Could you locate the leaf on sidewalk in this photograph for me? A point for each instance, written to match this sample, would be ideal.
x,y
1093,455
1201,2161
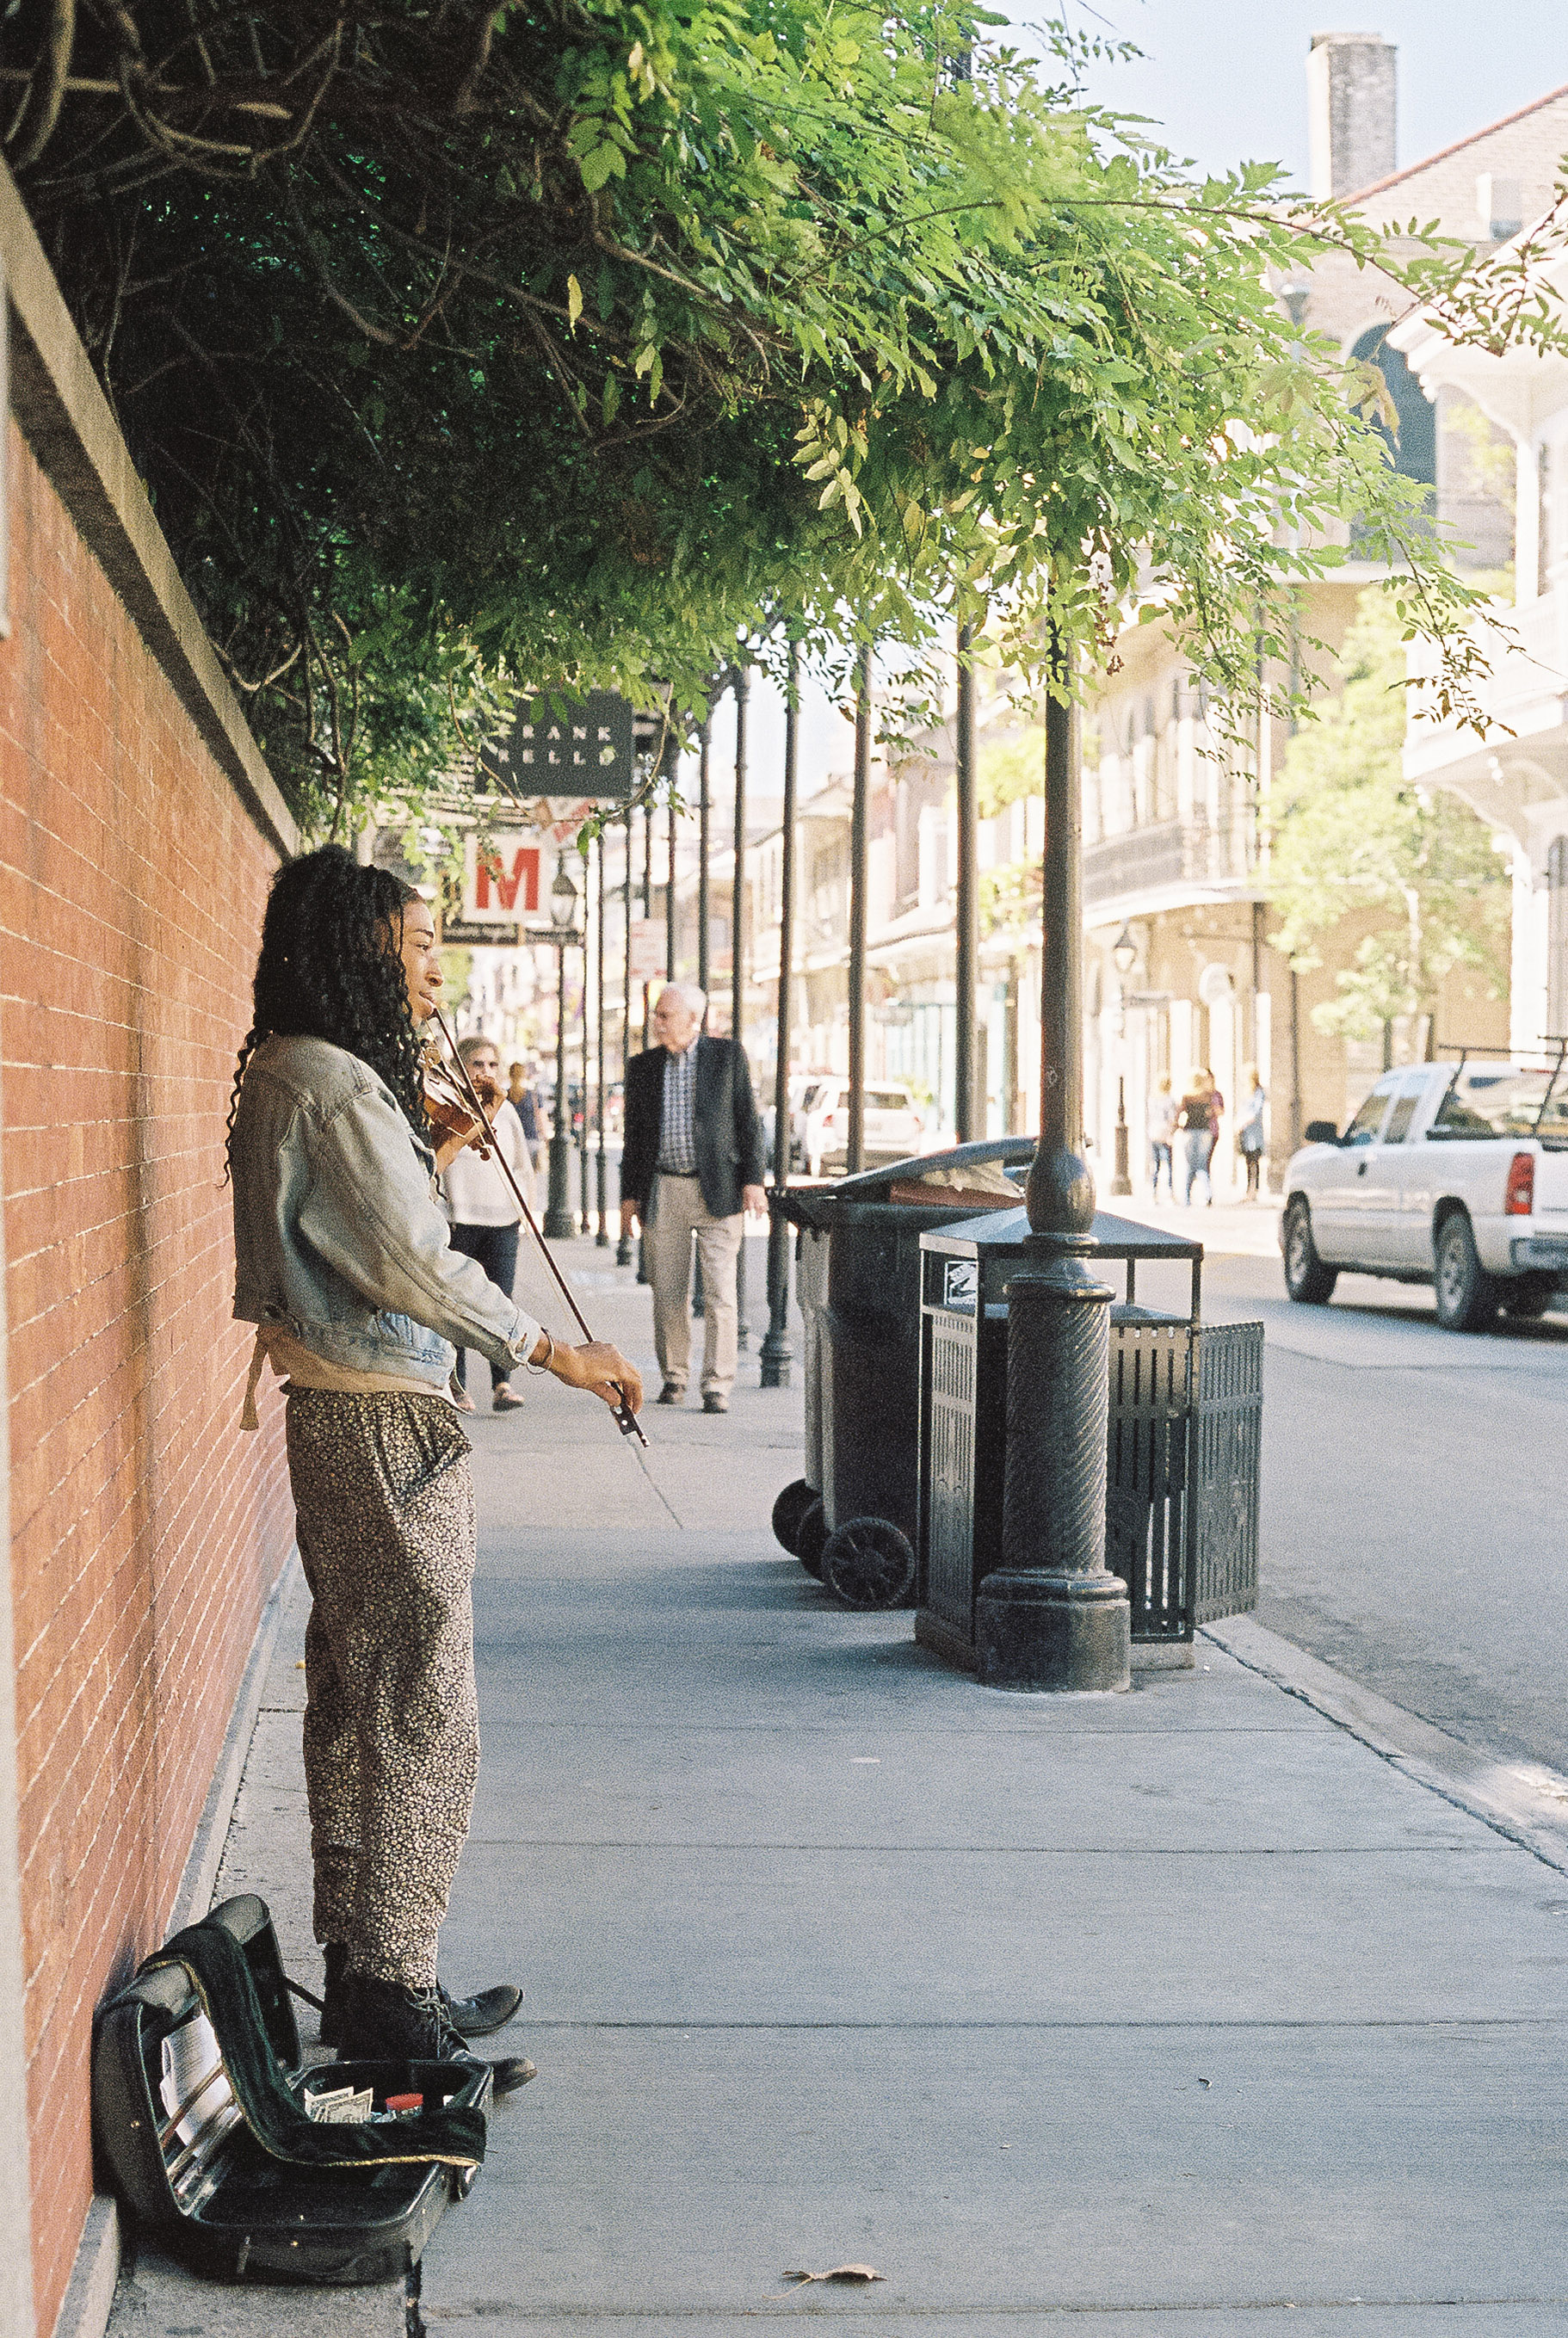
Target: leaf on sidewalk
x,y
838,2273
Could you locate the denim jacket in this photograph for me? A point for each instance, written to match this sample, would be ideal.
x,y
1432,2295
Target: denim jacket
x,y
339,1233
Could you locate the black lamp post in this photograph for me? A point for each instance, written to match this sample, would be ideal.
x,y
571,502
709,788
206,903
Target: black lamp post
x,y
1124,957
1052,1616
737,949
855,1149
583,1211
626,1250
601,1186
558,1225
966,906
703,843
776,1350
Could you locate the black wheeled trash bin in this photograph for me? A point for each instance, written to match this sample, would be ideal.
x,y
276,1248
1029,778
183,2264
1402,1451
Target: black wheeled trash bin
x,y
851,1519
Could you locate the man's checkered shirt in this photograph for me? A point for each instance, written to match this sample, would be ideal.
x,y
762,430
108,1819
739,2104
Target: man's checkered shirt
x,y
678,1122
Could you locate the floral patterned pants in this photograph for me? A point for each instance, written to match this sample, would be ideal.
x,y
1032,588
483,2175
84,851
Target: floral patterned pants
x,y
385,1508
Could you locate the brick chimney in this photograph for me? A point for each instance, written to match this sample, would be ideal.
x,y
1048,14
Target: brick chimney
x,y
1350,101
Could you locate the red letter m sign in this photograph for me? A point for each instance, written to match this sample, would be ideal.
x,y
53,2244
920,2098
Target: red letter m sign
x,y
518,894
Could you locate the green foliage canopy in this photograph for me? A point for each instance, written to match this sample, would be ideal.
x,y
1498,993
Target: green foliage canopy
x,y
464,347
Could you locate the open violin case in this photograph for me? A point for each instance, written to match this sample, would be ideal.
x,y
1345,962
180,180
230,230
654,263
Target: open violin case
x,y
200,2103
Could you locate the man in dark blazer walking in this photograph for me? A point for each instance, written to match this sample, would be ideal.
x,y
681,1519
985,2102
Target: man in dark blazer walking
x,y
691,1164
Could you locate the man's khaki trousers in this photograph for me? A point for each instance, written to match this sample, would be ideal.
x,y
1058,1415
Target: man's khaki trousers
x,y
679,1211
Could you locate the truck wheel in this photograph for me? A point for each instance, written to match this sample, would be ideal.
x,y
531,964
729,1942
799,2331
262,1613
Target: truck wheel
x,y
789,1508
809,1538
1467,1294
867,1563
1307,1279
1528,1298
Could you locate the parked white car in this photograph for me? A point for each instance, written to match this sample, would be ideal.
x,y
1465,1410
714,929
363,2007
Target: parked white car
x,y
803,1087
894,1127
1455,1174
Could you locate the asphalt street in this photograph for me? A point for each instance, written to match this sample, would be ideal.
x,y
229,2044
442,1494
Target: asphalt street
x,y
1412,1495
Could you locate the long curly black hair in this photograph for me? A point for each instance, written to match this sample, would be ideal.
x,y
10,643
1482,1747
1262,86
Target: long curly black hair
x,y
330,969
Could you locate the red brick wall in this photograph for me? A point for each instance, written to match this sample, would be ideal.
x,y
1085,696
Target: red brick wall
x,y
145,1530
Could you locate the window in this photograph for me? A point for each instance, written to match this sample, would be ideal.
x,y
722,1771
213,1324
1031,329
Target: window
x,y
888,1100
1400,1118
1363,1128
1415,447
1502,1100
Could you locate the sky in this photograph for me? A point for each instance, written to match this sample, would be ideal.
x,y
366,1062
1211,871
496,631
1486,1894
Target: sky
x,y
1227,82
1227,79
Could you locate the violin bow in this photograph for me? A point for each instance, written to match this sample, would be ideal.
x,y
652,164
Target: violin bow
x,y
625,1418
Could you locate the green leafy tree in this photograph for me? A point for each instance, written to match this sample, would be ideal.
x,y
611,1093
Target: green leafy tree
x,y
462,345
1351,838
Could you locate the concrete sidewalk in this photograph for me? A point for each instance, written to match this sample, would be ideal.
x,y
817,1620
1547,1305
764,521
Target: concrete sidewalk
x,y
1182,2012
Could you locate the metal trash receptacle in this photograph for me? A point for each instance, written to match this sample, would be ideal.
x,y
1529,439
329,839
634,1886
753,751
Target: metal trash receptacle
x,y
1182,1456
851,1519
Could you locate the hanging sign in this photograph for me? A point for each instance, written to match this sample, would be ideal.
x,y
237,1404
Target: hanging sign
x,y
587,750
459,933
509,883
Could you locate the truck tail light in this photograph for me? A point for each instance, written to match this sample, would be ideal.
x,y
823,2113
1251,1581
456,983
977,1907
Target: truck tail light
x,y
827,1120
1519,1193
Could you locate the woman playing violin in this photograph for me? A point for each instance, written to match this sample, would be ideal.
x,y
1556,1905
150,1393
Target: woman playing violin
x,y
344,1264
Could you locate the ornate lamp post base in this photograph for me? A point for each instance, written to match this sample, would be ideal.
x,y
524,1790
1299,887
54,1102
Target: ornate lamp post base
x,y
1053,1632
1053,1616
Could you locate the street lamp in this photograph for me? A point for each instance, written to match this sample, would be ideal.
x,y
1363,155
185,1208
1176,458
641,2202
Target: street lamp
x,y
1052,1617
1124,957
558,1225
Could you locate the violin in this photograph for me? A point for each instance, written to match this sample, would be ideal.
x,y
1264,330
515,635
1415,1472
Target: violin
x,y
449,1112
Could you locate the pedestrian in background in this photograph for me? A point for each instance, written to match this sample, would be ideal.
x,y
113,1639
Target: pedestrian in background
x,y
1249,1129
1161,1122
1199,1124
523,1098
484,1209
691,1164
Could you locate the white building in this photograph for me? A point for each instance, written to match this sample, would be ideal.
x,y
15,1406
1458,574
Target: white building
x,y
1516,775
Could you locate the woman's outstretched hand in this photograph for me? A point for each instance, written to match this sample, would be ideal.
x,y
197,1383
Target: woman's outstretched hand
x,y
601,1369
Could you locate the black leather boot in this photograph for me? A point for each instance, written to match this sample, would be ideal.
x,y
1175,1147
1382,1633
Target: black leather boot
x,y
478,2016
382,2021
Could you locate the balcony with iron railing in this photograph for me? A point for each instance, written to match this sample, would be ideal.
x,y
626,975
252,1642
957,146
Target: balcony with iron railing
x,y
1168,856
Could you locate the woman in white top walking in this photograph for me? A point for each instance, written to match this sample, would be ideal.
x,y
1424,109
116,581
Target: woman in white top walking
x,y
484,1214
1161,1122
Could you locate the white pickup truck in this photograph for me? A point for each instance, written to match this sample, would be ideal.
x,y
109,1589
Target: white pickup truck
x,y
1455,1174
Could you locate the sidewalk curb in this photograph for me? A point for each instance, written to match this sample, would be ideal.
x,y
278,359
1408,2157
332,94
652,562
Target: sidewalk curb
x,y
1523,1801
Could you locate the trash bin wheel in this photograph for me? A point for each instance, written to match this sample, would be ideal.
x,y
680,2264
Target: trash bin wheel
x,y
789,1508
868,1563
810,1536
